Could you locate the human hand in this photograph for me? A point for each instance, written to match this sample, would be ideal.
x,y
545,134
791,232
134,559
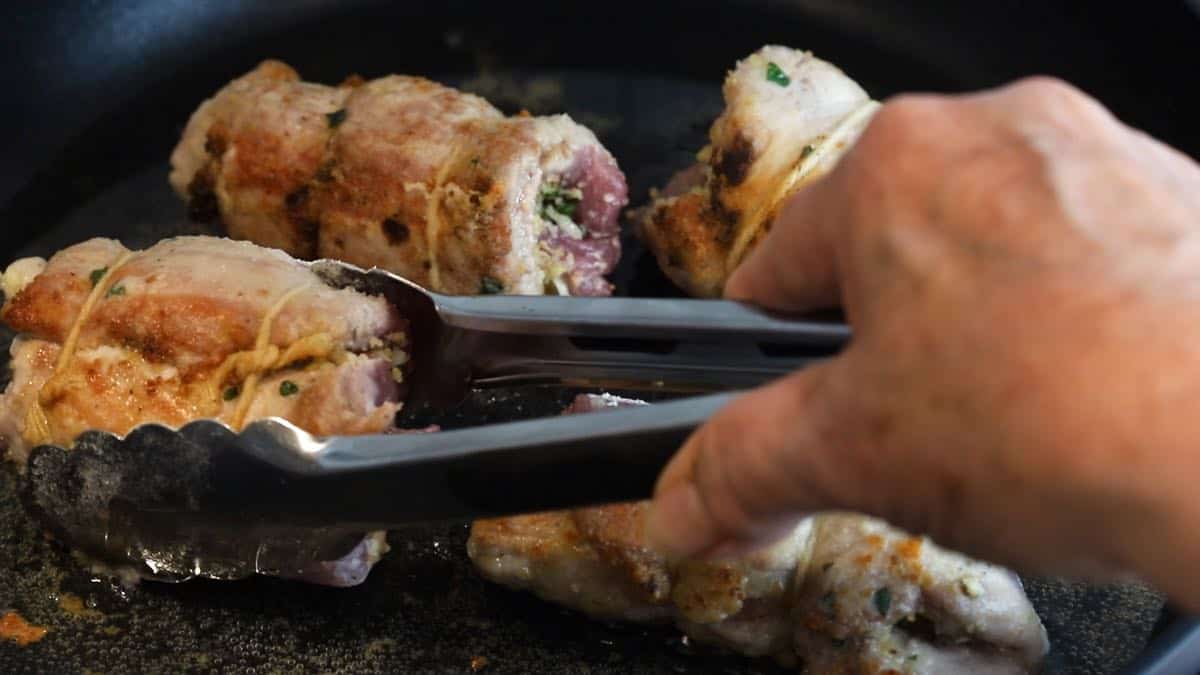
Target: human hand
x,y
1022,274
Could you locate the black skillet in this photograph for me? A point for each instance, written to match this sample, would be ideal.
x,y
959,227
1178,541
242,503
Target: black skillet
x,y
96,94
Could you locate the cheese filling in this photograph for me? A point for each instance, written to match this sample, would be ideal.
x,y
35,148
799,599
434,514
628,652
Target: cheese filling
x,y
556,208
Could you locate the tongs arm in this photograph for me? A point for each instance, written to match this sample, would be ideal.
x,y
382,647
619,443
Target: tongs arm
x,y
632,343
459,342
637,318
499,469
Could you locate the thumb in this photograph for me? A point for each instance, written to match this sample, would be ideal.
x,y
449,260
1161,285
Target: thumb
x,y
746,476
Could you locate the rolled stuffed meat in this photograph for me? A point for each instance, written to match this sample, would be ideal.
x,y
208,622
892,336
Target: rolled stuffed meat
x,y
191,328
788,118
842,593
405,174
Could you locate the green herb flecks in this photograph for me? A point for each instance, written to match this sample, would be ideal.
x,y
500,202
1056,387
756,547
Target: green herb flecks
x,y
119,289
808,150
230,393
97,275
882,600
288,388
556,202
775,74
336,117
490,286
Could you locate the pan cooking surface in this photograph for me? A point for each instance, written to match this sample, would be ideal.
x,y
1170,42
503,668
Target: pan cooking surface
x,y
423,609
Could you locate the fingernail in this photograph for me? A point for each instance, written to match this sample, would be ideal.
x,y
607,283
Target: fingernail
x,y
677,526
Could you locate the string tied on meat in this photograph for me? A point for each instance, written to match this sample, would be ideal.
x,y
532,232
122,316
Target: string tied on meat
x,y
38,428
262,358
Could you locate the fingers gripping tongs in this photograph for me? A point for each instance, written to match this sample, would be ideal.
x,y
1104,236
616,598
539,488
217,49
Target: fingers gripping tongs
x,y
274,472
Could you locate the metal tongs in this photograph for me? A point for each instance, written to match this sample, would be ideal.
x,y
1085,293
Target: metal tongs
x,y
215,489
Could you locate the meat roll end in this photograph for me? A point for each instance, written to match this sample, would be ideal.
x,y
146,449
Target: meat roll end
x,y
405,174
788,118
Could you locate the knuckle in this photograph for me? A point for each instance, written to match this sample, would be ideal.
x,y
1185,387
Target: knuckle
x,y
901,115
1056,100
1057,113
1047,89
901,131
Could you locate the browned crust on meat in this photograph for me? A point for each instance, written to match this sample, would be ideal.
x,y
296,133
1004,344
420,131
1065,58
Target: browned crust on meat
x,y
398,172
618,534
693,235
202,197
170,318
812,597
162,328
161,338
732,164
395,231
474,234
758,155
27,311
691,243
74,407
538,536
554,543
48,306
373,180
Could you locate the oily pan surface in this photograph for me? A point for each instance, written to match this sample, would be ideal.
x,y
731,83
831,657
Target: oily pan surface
x,y
423,609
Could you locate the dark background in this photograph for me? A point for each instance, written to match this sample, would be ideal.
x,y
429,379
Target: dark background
x,y
134,67
96,94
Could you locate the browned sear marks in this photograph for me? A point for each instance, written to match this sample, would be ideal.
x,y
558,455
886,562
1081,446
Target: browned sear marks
x,y
733,163
395,231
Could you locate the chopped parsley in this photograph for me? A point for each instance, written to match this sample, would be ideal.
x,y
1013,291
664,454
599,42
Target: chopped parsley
x,y
490,286
808,150
119,289
882,600
336,117
97,275
288,388
775,74
555,201
230,393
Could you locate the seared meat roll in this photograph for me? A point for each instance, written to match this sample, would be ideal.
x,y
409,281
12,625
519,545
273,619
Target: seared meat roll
x,y
193,327
788,118
405,174
842,593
